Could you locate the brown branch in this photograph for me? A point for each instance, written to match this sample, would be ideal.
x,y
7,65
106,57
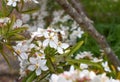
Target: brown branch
x,y
75,11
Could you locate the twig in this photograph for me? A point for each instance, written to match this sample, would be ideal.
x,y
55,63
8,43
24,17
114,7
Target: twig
x,y
75,11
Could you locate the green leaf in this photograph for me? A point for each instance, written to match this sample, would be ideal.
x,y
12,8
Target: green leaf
x,y
17,37
50,51
50,65
4,8
42,76
10,9
18,30
1,14
118,75
75,48
12,22
30,77
15,32
4,30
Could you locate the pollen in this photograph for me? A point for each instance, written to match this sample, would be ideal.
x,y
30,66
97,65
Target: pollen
x,y
37,65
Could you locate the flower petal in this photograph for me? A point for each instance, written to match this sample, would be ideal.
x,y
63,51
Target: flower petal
x,y
53,44
60,50
33,60
38,72
64,45
24,56
45,42
31,67
44,68
46,35
14,4
35,1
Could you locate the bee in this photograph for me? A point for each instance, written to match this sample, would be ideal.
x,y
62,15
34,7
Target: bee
x,y
59,36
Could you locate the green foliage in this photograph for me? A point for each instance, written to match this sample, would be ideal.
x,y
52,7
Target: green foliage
x,y
9,35
30,77
102,11
90,45
112,34
86,61
75,48
5,10
105,14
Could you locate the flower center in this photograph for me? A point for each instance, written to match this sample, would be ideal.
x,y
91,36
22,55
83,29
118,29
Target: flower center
x,y
37,65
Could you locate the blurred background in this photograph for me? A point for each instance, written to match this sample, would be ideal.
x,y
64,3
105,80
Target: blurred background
x,y
106,17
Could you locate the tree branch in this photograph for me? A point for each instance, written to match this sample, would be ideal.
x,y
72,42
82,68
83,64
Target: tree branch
x,y
75,11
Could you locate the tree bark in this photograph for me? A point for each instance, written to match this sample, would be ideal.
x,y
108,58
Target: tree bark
x,y
74,9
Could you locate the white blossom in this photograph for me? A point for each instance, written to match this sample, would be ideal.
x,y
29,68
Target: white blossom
x,y
21,47
106,67
18,23
12,2
118,68
38,33
84,54
112,80
23,58
97,60
4,20
51,39
83,66
81,76
61,46
38,65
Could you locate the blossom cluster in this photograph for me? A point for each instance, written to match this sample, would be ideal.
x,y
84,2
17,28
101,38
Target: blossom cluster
x,y
58,39
31,52
71,32
81,76
90,57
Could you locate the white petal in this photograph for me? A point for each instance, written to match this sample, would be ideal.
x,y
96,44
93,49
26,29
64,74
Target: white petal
x,y
52,34
54,78
60,50
44,68
62,79
41,62
33,60
118,68
9,3
14,4
53,44
83,66
38,72
64,45
45,42
24,56
35,1
72,69
19,23
55,39
92,75
31,67
32,46
46,35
